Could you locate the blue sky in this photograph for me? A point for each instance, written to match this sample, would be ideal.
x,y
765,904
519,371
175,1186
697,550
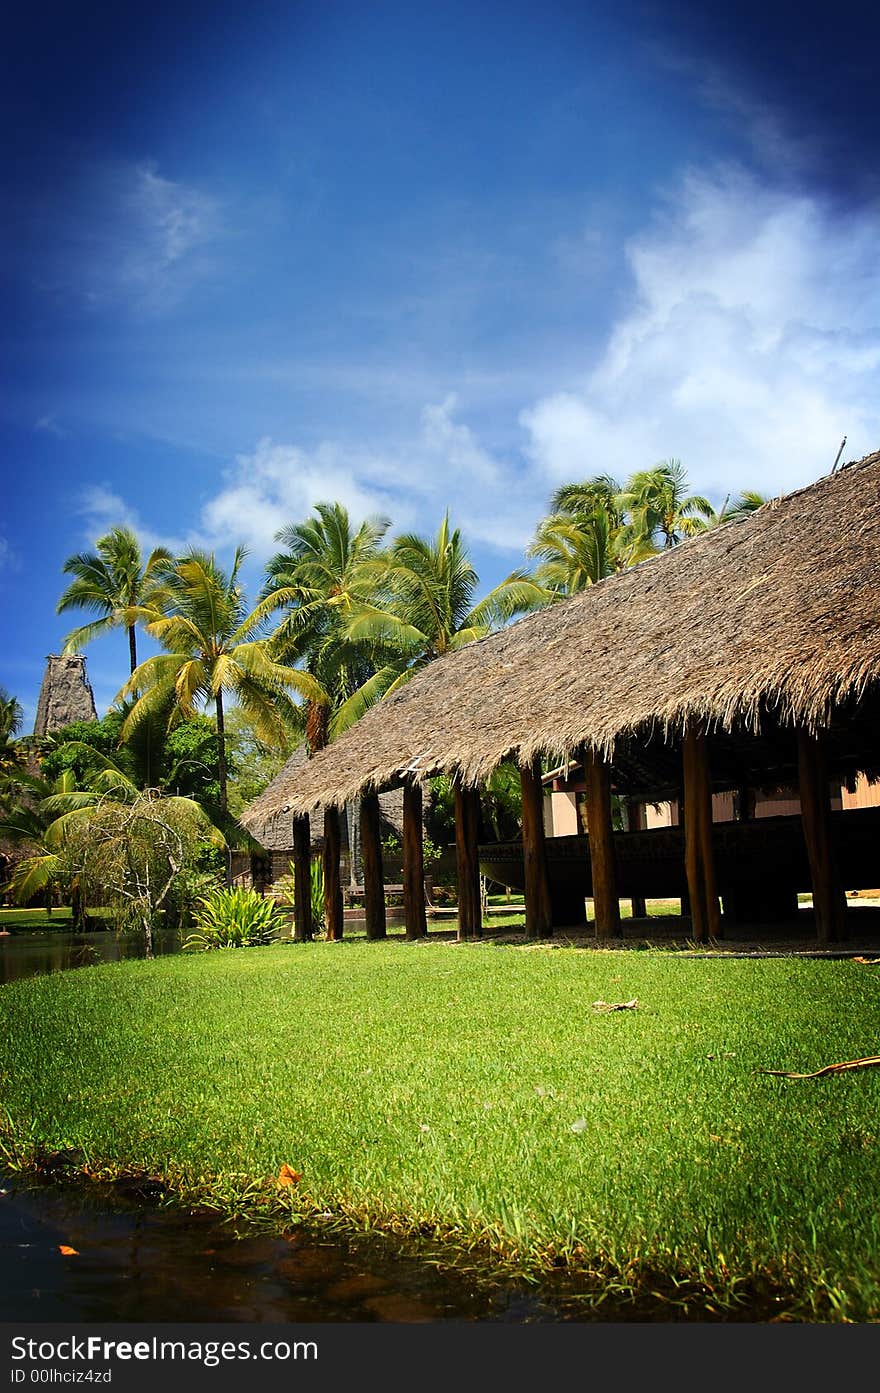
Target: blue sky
x,y
414,257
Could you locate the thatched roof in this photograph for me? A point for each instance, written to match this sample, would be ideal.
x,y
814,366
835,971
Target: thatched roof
x,y
776,615
268,818
65,696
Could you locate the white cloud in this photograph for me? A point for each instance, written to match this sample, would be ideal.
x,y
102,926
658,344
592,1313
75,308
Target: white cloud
x,y
414,482
102,509
751,347
280,483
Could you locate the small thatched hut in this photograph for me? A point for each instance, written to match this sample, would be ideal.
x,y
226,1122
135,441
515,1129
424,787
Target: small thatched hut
x,y
748,655
269,823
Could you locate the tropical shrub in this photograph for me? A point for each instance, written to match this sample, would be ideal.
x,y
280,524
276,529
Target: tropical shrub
x,y
284,889
235,918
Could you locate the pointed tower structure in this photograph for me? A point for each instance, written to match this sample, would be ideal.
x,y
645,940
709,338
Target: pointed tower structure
x,y
66,694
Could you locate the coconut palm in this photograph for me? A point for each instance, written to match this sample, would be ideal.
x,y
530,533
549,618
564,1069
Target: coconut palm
x,y
325,568
11,717
747,502
574,551
430,610
585,537
214,646
113,582
659,507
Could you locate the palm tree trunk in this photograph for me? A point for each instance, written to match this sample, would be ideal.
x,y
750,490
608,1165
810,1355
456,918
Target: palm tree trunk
x,y
221,774
317,726
132,648
221,753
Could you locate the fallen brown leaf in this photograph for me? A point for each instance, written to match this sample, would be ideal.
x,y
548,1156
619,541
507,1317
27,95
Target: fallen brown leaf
x,y
288,1176
616,1005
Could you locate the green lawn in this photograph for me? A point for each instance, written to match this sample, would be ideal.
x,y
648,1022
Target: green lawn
x,y
473,1092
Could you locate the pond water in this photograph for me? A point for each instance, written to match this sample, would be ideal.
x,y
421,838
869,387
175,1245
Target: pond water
x,y
135,1260
30,953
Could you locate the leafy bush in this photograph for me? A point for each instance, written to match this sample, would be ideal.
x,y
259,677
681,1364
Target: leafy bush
x,y
234,919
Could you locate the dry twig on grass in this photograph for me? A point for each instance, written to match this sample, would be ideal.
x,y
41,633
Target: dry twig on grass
x,y
868,1063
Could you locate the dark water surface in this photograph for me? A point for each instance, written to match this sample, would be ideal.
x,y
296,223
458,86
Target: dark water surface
x,y
135,1260
29,953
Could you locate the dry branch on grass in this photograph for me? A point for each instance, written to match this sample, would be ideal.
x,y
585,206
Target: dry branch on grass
x,y
868,1063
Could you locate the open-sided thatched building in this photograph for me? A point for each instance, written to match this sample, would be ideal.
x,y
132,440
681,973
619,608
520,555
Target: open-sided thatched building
x,y
748,655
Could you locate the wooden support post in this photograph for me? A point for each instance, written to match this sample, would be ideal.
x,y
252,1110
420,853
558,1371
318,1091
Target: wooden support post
x,y
829,899
467,835
302,879
634,821
744,803
699,854
606,905
371,857
333,913
539,913
413,863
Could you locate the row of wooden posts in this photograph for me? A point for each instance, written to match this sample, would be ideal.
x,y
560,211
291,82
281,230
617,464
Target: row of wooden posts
x,y
828,897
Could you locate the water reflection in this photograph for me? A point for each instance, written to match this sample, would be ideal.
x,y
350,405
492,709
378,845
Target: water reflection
x,y
31,953
134,1261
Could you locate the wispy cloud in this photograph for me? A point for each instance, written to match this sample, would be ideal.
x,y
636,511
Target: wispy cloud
x,y
165,226
124,235
51,427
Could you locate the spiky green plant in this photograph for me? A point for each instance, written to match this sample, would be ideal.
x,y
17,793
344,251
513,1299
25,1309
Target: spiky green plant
x,y
284,888
234,918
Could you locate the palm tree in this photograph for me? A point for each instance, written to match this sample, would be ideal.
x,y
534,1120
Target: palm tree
x,y
430,609
114,583
585,537
747,502
574,551
325,569
213,646
11,717
660,508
